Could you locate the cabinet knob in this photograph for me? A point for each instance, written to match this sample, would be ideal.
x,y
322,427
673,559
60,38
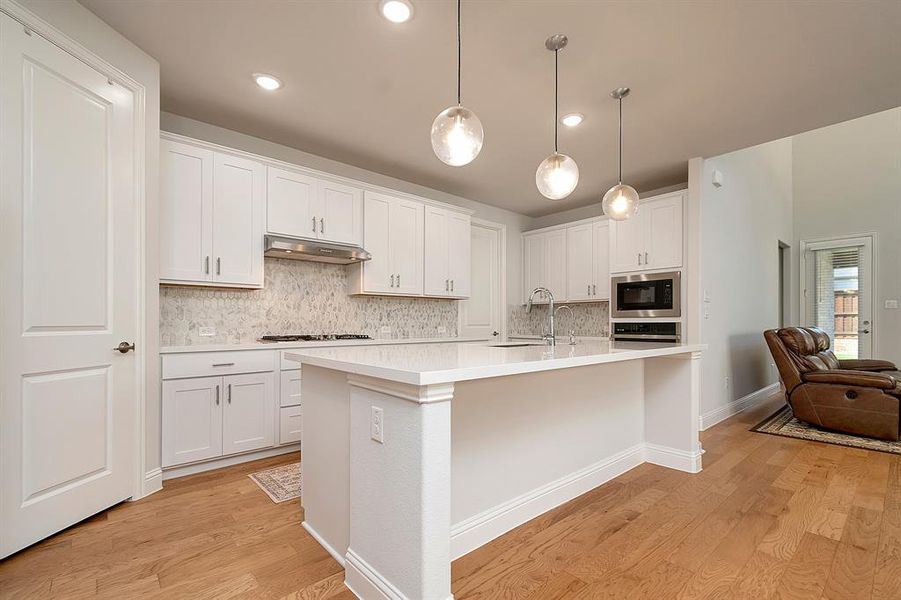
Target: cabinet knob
x,y
392,281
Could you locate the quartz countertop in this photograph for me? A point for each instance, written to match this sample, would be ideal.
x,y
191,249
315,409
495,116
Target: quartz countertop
x,y
426,364
325,344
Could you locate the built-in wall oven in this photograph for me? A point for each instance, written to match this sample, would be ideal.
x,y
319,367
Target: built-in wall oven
x,y
654,331
647,295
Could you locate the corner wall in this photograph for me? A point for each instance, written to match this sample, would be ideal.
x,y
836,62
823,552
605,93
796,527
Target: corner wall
x,y
741,225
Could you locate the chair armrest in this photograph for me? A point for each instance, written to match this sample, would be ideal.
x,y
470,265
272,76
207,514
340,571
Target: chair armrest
x,y
848,377
867,364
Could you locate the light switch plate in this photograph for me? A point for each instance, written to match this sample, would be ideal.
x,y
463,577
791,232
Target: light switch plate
x,y
207,332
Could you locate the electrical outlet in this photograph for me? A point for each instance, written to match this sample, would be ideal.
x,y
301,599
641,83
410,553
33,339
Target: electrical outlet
x,y
891,304
385,330
377,424
207,332
726,383
442,330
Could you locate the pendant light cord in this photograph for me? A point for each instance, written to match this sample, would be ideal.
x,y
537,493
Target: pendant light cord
x,y
459,54
556,79
620,141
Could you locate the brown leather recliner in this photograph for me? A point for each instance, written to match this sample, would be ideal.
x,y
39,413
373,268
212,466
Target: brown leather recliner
x,y
852,396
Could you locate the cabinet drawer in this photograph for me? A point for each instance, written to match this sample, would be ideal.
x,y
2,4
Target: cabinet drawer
x,y
290,424
286,364
205,364
289,388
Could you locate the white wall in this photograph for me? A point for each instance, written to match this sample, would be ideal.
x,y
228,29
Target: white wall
x,y
741,225
82,26
847,180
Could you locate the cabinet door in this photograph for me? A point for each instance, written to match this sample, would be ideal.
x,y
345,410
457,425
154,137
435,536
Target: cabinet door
x,y
340,213
664,232
627,243
290,424
555,263
289,388
192,420
237,221
290,203
436,260
248,421
533,263
459,254
186,210
579,262
405,245
600,289
376,217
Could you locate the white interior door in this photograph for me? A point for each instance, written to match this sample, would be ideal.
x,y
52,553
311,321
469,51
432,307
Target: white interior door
x,y
837,294
68,246
481,314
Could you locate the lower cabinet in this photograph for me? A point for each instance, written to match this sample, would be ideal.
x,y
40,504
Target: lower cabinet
x,y
290,424
209,417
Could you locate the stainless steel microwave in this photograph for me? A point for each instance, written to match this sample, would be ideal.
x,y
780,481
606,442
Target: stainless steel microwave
x,y
647,295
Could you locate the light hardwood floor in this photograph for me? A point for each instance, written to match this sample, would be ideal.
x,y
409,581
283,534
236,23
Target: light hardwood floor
x,y
768,517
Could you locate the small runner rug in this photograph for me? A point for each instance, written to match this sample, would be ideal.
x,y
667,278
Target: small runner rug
x,y
784,423
280,483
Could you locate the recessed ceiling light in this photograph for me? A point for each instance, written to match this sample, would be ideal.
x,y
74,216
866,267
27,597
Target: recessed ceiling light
x,y
396,11
267,82
572,119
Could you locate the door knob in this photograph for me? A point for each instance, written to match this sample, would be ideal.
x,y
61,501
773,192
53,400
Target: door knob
x,y
124,347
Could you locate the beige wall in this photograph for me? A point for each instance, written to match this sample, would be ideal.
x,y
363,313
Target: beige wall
x,y
741,225
847,180
82,26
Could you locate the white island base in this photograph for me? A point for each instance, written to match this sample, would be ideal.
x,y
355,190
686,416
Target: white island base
x,y
475,441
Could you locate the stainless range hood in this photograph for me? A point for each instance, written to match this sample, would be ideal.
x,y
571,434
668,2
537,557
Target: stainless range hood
x,y
329,252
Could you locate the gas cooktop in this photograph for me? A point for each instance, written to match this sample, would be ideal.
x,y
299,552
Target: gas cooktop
x,y
327,337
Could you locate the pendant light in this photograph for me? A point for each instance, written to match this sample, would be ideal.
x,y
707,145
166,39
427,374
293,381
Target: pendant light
x,y
457,132
558,174
621,201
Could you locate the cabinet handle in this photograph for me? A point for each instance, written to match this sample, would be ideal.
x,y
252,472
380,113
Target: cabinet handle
x,y
229,394
217,394
321,224
398,280
589,289
392,281
206,265
314,224
594,287
447,285
231,364
639,258
218,265
452,285
645,258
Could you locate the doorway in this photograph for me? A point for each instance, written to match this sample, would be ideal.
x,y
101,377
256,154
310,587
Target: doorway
x,y
484,314
837,292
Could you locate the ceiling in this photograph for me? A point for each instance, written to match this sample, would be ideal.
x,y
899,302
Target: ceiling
x,y
706,77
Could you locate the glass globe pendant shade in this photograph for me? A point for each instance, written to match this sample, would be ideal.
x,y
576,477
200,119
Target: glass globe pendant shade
x,y
557,176
457,136
620,202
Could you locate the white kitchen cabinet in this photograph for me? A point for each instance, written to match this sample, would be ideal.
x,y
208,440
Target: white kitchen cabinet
x,y
580,271
651,239
447,253
211,217
340,212
291,199
248,421
393,234
289,388
600,289
544,263
290,425
191,420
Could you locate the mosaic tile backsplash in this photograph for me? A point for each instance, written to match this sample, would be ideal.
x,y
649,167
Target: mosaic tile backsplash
x,y
298,297
590,319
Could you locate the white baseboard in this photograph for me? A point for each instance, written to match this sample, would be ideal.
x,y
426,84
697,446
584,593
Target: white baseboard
x,y
480,529
153,482
218,463
328,547
717,415
681,460
367,583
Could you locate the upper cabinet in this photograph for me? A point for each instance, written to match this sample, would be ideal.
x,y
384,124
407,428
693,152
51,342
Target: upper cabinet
x,y
650,240
393,234
211,217
571,260
447,253
299,205
545,263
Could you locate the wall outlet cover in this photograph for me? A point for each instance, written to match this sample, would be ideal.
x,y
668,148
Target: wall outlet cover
x,y
891,304
377,424
206,331
385,329
442,329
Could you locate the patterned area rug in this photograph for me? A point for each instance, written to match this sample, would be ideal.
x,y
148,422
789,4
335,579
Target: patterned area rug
x,y
784,423
280,483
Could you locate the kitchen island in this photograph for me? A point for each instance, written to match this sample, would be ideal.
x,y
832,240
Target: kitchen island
x,y
416,455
